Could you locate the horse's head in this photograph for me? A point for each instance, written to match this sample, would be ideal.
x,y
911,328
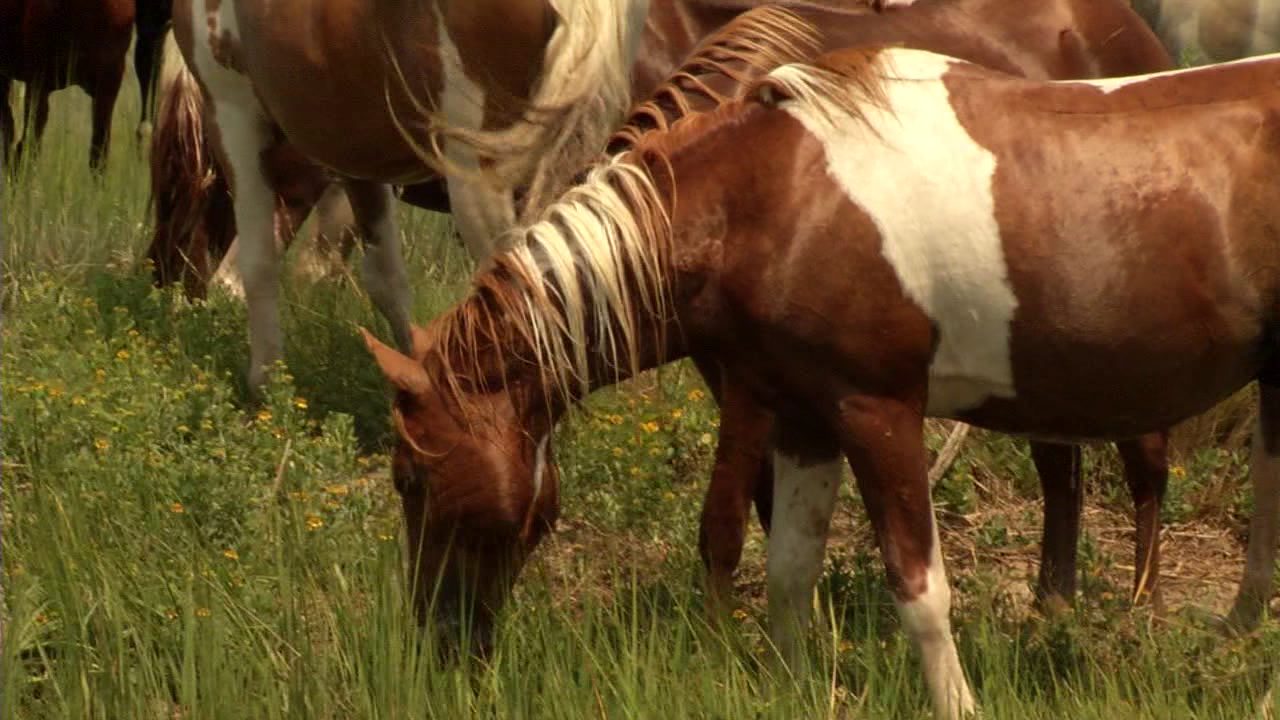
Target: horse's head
x,y
478,488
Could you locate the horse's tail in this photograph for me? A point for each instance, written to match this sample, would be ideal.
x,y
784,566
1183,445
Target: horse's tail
x,y
189,192
583,92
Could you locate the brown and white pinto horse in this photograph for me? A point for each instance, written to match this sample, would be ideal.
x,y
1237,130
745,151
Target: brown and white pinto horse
x,y
51,45
912,236
387,92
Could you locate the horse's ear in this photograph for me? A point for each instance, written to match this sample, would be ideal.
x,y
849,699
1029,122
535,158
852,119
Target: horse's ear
x,y
420,343
400,370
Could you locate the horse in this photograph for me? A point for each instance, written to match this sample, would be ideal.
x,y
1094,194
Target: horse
x,y
49,46
1215,30
1050,40
385,93
912,236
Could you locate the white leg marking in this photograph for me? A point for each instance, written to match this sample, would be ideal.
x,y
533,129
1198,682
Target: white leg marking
x,y
480,210
943,245
803,500
244,131
383,271
1260,557
927,619
227,276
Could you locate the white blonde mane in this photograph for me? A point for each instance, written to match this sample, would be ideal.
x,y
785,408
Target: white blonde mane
x,y
577,286
597,262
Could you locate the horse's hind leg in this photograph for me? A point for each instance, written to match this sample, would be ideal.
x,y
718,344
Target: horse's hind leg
x,y
1146,469
373,206
1059,469
1264,475
105,91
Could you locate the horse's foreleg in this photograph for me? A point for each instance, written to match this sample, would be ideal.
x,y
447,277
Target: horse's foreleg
x,y
1146,469
373,206
105,91
805,487
1264,475
1059,470
245,135
884,440
745,429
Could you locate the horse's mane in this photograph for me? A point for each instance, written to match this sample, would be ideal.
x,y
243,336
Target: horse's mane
x,y
744,49
576,286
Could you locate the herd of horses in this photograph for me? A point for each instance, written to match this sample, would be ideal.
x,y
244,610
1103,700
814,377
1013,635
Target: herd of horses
x,y
851,217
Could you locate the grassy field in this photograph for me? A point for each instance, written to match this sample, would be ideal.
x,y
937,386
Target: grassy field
x,y
171,550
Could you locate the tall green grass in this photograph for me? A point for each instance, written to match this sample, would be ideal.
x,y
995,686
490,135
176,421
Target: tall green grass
x,y
172,550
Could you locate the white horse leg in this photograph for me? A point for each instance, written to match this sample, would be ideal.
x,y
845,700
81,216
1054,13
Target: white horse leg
x,y
1264,475
803,499
244,136
383,274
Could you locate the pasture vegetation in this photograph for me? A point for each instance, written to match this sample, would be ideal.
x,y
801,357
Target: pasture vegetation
x,y
172,550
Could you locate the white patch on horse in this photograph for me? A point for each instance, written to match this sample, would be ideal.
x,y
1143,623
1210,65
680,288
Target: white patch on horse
x,y
927,186
927,620
1110,85
803,500
480,211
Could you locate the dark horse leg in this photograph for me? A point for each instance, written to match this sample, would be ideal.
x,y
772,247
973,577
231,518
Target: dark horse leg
x,y
37,117
151,20
1146,471
6,122
104,92
743,471
1264,474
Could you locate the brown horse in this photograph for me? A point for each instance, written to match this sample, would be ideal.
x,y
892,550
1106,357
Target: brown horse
x,y
910,236
51,45
384,92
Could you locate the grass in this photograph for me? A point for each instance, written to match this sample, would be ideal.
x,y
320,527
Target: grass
x,y
174,551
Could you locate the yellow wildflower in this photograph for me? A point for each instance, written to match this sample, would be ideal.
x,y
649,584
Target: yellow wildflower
x,y
102,444
184,429
264,416
385,537
705,439
133,332
677,414
635,471
202,612
77,400
100,373
1178,471
177,508
740,615
314,522
617,452
615,419
170,614
122,354
336,489
230,554
695,394
300,403
650,427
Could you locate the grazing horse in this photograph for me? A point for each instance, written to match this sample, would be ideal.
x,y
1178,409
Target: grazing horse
x,y
911,236
50,45
1219,29
384,92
